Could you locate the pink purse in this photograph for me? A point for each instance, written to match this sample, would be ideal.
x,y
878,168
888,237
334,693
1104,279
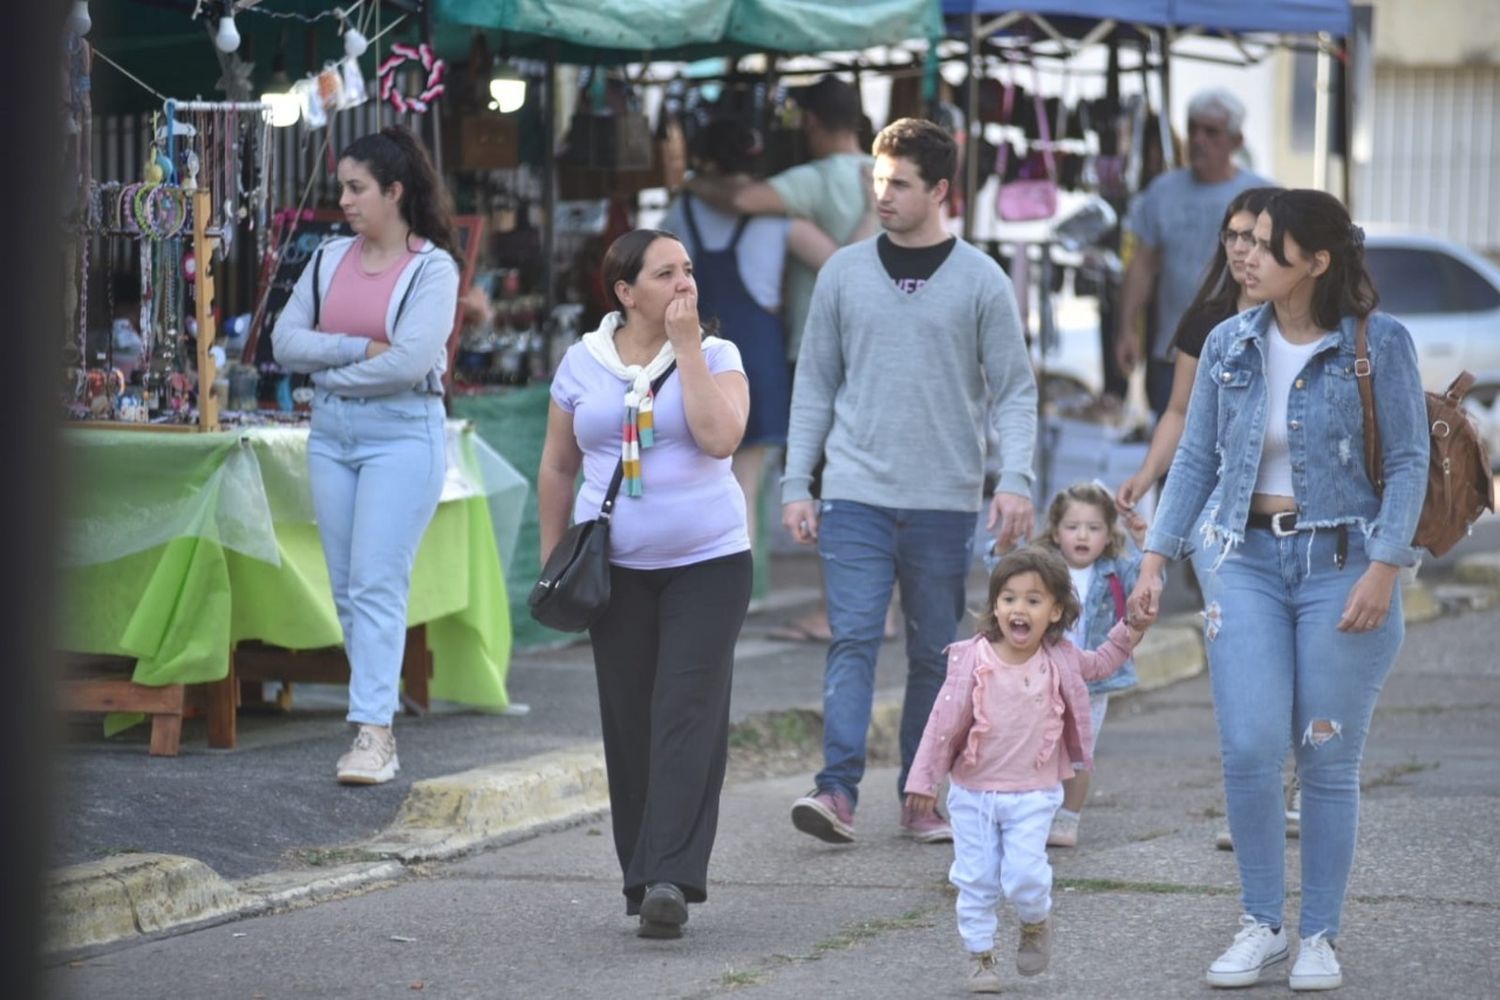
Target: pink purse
x,y
1028,198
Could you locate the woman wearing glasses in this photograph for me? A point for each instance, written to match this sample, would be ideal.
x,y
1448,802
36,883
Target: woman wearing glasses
x,y
1221,295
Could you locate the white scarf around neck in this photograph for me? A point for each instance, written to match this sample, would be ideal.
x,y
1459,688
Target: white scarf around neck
x,y
600,344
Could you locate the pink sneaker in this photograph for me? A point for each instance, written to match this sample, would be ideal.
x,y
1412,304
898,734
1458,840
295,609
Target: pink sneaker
x,y
826,815
933,829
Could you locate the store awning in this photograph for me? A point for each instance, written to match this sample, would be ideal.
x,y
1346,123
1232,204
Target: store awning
x,y
603,31
1282,16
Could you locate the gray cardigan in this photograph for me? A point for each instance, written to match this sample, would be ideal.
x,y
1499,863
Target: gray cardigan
x,y
417,324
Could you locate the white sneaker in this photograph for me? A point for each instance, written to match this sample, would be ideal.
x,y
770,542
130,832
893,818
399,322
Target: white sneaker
x,y
1316,968
372,758
1255,947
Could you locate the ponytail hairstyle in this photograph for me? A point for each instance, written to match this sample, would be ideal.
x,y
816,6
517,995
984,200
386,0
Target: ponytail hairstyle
x,y
394,154
1319,221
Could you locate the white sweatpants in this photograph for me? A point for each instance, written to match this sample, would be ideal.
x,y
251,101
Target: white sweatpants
x,y
1000,845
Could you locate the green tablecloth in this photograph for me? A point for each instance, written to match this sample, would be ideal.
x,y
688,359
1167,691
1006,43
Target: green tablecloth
x,y
178,546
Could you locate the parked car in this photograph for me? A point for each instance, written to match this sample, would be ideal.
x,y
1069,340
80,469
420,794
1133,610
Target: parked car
x,y
1448,296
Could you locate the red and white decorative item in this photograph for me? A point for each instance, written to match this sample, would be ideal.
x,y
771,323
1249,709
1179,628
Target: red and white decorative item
x,y
431,91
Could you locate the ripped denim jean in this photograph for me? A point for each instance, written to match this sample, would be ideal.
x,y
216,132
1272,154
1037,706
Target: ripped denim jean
x,y
1285,677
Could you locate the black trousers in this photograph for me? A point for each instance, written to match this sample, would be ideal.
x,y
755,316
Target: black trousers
x,y
664,659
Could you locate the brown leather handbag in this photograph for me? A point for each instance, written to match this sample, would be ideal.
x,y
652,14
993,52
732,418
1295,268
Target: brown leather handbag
x,y
1460,485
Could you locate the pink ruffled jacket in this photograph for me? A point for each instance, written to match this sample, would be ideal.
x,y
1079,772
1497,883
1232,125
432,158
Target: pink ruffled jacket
x,y
951,740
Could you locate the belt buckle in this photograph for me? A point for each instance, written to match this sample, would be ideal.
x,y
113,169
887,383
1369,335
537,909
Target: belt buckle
x,y
1277,529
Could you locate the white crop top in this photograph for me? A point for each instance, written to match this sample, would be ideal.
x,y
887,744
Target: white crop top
x,y
1284,363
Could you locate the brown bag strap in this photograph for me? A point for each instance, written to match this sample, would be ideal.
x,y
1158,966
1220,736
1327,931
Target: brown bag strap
x,y
1364,376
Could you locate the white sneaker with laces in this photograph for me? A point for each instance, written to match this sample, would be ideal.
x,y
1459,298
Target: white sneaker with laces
x,y
1255,947
372,758
1317,967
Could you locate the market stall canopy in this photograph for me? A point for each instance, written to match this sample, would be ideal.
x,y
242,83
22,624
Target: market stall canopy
x,y
1288,16
606,31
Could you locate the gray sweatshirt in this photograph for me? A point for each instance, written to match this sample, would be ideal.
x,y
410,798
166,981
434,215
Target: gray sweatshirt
x,y
896,389
417,324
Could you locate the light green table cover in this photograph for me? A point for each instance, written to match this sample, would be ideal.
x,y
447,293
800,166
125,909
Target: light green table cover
x,y
177,546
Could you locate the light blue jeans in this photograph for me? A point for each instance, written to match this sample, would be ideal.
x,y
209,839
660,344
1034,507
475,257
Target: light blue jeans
x,y
376,467
1281,669
865,550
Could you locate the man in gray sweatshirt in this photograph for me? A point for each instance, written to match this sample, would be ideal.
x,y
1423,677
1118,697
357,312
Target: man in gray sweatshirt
x,y
912,352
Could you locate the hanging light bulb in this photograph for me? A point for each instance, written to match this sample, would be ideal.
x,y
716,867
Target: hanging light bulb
x,y
227,37
286,105
354,42
79,21
508,89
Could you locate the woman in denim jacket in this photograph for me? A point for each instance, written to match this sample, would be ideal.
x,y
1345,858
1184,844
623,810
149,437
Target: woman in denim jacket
x,y
1307,620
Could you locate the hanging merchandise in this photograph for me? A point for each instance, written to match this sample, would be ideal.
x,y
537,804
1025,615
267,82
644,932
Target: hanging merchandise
x,y
1033,195
329,84
432,89
313,113
355,92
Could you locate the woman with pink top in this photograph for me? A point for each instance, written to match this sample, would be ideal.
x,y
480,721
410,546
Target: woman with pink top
x,y
1010,724
649,392
369,319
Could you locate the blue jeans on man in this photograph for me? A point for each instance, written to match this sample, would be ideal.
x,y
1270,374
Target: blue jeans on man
x,y
866,550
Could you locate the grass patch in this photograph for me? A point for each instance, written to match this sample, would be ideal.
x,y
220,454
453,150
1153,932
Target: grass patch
x,y
1393,775
735,979
1212,812
791,729
1156,888
329,857
868,929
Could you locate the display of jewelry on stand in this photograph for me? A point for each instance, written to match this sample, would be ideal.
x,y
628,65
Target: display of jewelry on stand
x,y
203,175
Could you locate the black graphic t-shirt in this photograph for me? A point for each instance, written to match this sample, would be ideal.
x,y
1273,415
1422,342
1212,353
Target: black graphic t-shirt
x,y
910,267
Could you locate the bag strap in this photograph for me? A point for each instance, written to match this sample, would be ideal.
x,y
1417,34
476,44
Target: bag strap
x,y
1364,377
1117,591
317,287
608,506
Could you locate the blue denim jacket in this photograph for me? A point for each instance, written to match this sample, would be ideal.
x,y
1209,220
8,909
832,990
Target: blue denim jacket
x,y
1221,444
1100,615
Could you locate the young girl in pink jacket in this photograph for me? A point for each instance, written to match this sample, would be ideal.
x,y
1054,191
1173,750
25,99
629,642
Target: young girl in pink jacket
x,y
1008,726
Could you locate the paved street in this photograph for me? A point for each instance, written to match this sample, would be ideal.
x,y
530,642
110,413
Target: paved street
x,y
1142,905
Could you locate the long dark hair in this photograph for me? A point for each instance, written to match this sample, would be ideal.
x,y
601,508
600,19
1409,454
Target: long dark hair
x,y
394,154
1219,293
1049,566
1319,221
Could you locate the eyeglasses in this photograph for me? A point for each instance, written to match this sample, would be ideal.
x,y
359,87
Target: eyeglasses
x,y
1229,237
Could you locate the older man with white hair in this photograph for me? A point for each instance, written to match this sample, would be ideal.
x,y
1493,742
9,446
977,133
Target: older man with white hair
x,y
1175,225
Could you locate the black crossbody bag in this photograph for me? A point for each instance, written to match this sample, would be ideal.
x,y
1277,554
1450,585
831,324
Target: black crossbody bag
x,y
573,590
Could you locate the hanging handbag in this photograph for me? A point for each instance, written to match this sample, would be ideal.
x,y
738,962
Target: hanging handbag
x,y
573,590
1032,197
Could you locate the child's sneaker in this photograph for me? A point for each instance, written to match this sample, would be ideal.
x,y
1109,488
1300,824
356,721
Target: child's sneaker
x,y
1035,950
1316,968
1064,832
372,758
929,829
826,815
984,973
1255,947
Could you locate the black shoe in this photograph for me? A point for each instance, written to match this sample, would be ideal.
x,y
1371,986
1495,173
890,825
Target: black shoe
x,y
663,911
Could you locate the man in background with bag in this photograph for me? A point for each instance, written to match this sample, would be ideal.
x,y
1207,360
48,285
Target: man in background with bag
x,y
1173,225
831,191
913,355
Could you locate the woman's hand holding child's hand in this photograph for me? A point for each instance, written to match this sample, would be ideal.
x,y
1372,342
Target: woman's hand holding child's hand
x,y
922,805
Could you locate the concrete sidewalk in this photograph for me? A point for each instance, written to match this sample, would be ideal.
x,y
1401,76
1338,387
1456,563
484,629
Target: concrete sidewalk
x,y
235,828
1142,904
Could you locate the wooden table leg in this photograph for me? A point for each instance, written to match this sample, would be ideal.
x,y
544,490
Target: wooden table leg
x,y
164,705
416,668
221,699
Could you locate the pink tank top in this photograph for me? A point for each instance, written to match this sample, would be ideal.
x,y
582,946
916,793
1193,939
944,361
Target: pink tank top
x,y
359,300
